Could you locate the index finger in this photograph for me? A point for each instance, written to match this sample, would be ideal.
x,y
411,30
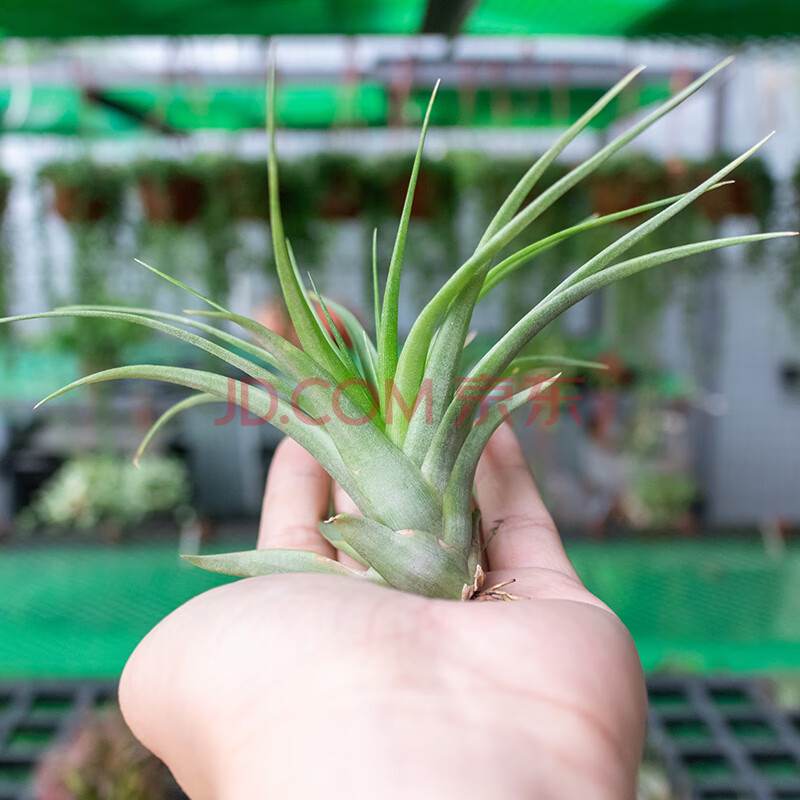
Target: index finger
x,y
296,499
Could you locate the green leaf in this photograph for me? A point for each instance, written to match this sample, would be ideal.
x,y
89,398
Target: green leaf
x,y
246,366
303,318
394,486
362,344
289,359
443,350
410,560
442,370
347,368
409,370
286,418
502,354
180,284
387,336
344,351
331,534
170,414
512,203
255,563
449,436
182,319
627,241
376,289
295,363
292,360
522,257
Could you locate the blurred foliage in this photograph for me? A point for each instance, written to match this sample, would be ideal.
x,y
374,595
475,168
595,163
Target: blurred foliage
x,y
196,212
100,760
660,499
93,491
89,198
5,276
84,190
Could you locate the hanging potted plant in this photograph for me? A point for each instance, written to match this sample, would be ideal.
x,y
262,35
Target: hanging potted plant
x,y
750,194
342,185
627,183
5,188
239,188
171,192
89,197
435,197
84,191
495,177
433,246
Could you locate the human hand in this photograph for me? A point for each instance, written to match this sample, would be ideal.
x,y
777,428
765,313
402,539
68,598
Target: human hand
x,y
312,686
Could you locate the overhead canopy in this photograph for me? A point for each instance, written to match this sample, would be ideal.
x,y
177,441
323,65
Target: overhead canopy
x,y
731,18
174,109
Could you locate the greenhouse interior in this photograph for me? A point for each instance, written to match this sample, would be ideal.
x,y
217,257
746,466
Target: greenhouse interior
x,y
203,203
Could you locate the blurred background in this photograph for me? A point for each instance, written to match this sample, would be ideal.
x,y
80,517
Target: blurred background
x,y
136,130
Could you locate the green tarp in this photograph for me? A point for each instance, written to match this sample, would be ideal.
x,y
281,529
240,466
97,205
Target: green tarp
x,y
71,610
64,110
731,18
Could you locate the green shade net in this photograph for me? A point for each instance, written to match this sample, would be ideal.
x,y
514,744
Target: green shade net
x,y
71,610
695,18
64,110
542,17
733,18
52,18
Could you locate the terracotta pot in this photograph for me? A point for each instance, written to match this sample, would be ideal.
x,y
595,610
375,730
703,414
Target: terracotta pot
x,y
731,200
344,196
426,195
335,205
612,194
74,204
178,199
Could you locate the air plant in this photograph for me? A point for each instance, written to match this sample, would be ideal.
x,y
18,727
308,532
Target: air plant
x,y
402,442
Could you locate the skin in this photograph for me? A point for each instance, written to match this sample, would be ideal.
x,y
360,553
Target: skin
x,y
310,686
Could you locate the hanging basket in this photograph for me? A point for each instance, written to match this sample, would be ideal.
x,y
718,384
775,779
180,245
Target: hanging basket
x,y
76,204
735,199
237,189
624,185
5,188
84,192
750,193
174,199
435,193
342,185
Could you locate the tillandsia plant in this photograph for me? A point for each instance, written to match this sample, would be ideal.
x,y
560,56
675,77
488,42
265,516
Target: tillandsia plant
x,y
403,442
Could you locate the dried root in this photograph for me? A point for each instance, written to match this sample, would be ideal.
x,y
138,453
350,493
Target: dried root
x,y
479,593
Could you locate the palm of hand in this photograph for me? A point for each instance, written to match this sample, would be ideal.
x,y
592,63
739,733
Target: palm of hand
x,y
291,686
